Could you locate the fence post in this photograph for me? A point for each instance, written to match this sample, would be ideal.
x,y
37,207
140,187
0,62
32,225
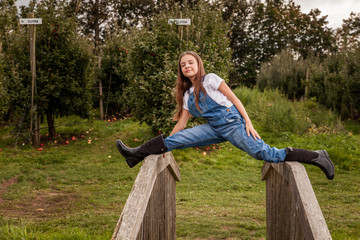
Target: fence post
x,y
292,210
149,212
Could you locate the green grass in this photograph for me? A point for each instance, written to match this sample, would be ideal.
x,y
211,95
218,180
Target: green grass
x,y
81,190
77,190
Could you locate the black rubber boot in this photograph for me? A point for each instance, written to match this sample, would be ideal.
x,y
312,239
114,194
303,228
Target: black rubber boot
x,y
318,158
135,155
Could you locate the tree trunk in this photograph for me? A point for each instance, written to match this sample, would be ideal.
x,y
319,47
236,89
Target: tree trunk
x,y
97,53
51,125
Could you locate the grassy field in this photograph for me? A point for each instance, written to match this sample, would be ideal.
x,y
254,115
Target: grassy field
x,y
77,190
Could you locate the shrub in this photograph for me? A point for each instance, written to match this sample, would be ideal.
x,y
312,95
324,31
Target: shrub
x,y
275,114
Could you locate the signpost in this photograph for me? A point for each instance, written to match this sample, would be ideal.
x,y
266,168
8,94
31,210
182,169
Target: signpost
x,y
180,22
30,21
34,116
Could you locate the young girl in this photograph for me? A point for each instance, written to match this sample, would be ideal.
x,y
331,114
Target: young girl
x,y
209,97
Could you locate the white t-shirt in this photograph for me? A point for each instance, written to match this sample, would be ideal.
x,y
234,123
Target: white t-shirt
x,y
211,84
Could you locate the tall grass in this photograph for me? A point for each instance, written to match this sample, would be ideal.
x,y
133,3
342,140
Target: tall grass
x,y
275,114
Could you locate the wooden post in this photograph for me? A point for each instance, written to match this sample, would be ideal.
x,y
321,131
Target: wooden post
x,y
101,93
34,116
292,210
180,27
149,212
306,83
108,97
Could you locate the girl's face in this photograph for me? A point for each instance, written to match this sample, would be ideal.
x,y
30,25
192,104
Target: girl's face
x,y
189,66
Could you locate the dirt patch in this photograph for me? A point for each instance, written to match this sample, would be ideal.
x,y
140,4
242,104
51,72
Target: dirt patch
x,y
4,187
43,205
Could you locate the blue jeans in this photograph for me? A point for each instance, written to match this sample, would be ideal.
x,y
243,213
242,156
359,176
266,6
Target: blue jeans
x,y
226,129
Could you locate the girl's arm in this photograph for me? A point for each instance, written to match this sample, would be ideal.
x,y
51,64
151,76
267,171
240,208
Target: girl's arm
x,y
181,124
225,89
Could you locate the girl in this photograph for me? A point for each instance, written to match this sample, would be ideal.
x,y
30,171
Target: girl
x,y
209,97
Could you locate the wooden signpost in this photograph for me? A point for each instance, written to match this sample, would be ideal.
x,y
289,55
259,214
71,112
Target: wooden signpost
x,y
34,116
180,22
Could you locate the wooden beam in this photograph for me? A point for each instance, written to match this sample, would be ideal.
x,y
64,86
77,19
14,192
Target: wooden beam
x,y
143,194
293,211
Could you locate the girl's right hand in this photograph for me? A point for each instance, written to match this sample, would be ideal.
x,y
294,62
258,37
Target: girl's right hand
x,y
251,130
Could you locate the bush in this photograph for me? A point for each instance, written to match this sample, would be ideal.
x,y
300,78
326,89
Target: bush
x,y
275,114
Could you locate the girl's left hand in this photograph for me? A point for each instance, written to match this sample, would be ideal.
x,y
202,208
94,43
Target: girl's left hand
x,y
251,130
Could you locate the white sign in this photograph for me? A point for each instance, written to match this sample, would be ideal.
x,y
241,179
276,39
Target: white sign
x,y
30,20
180,21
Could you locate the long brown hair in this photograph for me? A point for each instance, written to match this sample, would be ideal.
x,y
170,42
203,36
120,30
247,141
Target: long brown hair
x,y
183,84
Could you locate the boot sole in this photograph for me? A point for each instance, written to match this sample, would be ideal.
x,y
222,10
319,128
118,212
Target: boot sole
x,y
331,177
118,145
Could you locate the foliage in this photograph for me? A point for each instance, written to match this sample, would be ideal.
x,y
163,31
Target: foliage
x,y
94,17
348,36
8,22
4,98
113,73
288,74
64,60
336,83
154,55
141,12
259,30
274,114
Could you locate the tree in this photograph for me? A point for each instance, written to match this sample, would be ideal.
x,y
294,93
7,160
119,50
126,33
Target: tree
x,y
154,55
114,71
288,74
93,16
259,30
138,13
4,98
64,66
8,26
65,61
348,36
8,21
336,83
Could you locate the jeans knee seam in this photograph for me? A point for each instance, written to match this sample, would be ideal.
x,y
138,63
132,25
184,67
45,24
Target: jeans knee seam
x,y
178,146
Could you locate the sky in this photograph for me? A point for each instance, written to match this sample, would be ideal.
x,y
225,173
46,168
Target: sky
x,y
337,10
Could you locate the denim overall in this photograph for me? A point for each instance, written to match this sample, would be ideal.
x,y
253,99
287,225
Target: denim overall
x,y
224,124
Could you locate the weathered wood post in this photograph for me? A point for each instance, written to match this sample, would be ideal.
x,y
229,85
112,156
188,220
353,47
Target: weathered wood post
x,y
149,212
292,210
32,22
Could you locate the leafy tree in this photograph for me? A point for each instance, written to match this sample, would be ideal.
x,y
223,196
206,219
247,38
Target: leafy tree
x,y
154,56
141,12
259,30
64,65
3,93
316,39
283,72
64,61
288,74
348,36
8,27
336,83
114,71
8,21
94,17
